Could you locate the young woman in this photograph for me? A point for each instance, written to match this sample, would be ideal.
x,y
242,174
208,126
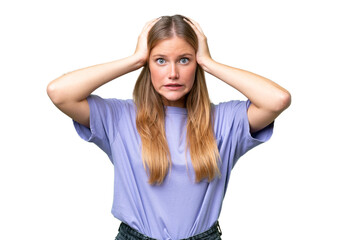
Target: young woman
x,y
172,150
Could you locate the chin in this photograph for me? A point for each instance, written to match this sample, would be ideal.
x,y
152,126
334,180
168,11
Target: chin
x,y
174,101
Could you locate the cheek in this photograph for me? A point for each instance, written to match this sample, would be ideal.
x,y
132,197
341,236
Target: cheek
x,y
155,75
189,74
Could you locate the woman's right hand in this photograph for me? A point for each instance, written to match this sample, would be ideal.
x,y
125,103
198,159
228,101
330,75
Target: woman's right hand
x,y
142,51
70,91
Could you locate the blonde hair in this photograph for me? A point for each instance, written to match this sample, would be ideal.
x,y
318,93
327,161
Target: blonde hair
x,y
150,118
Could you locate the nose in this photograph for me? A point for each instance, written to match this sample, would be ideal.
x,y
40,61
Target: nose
x,y
173,74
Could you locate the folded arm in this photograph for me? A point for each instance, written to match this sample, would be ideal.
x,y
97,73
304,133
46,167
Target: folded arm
x,y
69,92
268,98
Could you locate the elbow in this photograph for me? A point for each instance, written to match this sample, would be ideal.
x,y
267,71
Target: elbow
x,y
283,101
54,93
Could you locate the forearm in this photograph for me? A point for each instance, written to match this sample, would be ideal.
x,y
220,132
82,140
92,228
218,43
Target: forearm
x,y
78,85
262,92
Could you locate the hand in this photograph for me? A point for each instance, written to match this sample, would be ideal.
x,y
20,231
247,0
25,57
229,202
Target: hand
x,y
142,51
203,54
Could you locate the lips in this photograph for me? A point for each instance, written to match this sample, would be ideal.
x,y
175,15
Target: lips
x,y
173,86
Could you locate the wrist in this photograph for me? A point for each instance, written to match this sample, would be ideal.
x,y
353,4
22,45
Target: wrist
x,y
207,64
138,61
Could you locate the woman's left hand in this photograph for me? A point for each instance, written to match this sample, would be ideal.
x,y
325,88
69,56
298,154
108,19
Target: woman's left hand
x,y
267,98
203,54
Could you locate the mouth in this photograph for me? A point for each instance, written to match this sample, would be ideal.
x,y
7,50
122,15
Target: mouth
x,y
173,86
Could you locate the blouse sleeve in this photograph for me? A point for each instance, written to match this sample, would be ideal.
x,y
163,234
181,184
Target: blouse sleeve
x,y
232,130
104,116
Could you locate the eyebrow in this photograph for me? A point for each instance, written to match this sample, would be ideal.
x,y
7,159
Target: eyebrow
x,y
180,56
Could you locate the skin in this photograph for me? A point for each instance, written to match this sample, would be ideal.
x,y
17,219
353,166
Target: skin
x,y
69,92
268,99
172,64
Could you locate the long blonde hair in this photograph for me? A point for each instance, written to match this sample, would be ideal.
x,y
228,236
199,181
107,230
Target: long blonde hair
x,y
150,118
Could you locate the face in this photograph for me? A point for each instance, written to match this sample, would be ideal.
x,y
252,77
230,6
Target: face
x,y
172,64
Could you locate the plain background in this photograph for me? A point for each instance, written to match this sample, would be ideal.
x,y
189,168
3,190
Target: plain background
x,y
303,184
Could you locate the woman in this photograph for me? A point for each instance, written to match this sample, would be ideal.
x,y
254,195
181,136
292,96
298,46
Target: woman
x,y
172,150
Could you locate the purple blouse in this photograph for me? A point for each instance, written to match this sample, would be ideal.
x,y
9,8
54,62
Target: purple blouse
x,y
178,208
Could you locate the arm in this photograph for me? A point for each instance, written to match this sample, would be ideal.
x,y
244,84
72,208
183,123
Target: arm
x,y
69,92
268,99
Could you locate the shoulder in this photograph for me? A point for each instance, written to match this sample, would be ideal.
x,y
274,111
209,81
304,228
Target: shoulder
x,y
110,108
230,108
110,103
230,114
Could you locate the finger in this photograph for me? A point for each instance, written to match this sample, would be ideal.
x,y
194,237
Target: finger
x,y
194,24
153,22
198,31
150,24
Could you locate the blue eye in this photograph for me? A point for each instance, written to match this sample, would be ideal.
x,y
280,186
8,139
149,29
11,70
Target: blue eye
x,y
184,60
160,61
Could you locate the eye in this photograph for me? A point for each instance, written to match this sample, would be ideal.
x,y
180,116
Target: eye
x,y
184,60
160,61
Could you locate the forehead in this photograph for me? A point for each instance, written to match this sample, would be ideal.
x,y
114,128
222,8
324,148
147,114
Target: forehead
x,y
172,46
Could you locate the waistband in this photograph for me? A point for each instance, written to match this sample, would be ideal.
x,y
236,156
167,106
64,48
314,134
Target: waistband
x,y
213,230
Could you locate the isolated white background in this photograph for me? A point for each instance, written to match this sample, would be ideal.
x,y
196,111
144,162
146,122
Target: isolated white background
x,y
303,184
